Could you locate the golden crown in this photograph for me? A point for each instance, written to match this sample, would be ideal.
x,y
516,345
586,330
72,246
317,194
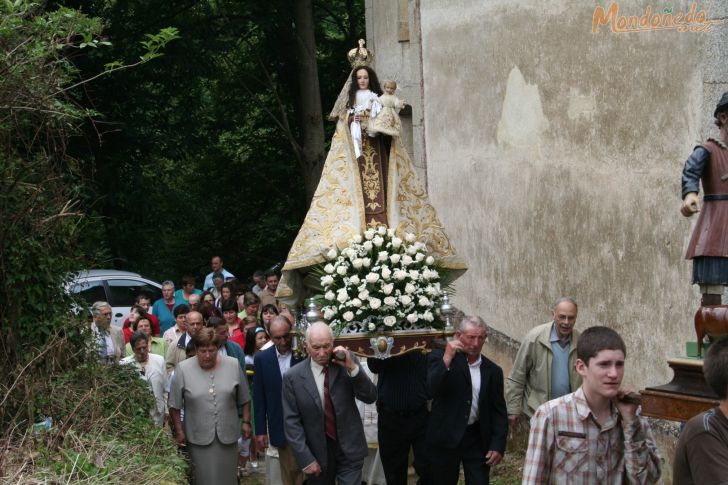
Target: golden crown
x,y
360,56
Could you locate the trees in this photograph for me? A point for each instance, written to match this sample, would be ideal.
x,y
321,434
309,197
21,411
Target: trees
x,y
217,147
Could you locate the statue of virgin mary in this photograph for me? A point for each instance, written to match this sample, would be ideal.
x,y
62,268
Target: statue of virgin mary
x,y
367,180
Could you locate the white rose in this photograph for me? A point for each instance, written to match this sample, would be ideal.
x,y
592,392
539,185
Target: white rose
x,y
381,230
350,253
419,257
382,256
395,258
420,246
354,280
331,254
366,262
329,268
341,270
409,288
405,300
390,301
375,303
411,250
423,301
396,242
369,234
414,274
326,280
428,316
372,326
409,237
386,273
406,260
429,260
357,238
348,316
390,233
330,295
430,290
372,278
378,241
367,245
356,302
363,294
357,263
390,320
342,296
400,274
329,313
412,317
429,274
387,289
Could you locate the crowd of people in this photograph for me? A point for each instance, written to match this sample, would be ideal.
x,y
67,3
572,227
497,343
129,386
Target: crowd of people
x,y
220,365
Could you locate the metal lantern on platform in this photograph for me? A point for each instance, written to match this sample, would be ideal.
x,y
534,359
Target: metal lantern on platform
x,y
306,316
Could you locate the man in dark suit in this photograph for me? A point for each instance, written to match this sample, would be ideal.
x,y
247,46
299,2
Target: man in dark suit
x,y
321,421
270,366
468,423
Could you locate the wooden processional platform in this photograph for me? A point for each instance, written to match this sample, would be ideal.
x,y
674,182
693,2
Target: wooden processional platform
x,y
687,395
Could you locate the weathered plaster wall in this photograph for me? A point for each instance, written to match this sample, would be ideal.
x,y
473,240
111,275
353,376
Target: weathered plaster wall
x,y
553,156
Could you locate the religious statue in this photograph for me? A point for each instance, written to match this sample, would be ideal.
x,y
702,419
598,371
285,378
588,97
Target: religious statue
x,y
708,247
387,120
367,180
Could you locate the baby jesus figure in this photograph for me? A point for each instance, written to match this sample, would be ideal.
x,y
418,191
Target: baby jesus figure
x,y
387,121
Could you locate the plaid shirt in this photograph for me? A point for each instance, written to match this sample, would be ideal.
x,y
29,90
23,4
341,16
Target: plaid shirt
x,y
567,446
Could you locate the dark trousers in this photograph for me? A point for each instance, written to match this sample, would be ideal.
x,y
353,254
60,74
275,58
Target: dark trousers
x,y
446,462
338,468
397,433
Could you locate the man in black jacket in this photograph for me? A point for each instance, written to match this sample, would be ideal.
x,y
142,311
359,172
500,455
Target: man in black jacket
x,y
468,423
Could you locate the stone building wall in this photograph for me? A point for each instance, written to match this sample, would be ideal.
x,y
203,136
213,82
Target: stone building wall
x,y
553,155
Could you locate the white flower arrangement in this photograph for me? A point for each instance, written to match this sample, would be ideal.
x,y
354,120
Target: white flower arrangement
x,y
380,282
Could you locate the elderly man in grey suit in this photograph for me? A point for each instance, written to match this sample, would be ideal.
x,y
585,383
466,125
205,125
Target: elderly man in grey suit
x,y
321,421
109,340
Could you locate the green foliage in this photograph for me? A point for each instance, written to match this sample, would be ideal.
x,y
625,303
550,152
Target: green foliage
x,y
102,431
197,161
38,183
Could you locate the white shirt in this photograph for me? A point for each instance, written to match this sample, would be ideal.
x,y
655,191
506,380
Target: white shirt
x,y
475,381
156,375
208,279
284,362
104,341
318,376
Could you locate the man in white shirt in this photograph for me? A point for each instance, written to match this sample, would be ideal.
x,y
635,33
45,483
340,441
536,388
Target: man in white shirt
x,y
216,265
468,423
109,339
270,366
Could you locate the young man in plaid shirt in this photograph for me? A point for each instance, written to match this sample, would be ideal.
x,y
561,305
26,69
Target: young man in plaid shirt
x,y
592,436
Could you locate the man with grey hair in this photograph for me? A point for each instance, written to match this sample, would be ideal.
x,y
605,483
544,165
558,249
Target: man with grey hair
x,y
468,423
164,307
109,339
544,368
320,418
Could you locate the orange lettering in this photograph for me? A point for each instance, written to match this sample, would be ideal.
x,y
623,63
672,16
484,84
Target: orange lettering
x,y
645,19
691,14
603,18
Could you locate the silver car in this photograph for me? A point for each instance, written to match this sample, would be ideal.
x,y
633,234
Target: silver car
x,y
118,288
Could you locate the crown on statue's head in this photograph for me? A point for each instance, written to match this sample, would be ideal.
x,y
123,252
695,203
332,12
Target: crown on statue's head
x,y
360,56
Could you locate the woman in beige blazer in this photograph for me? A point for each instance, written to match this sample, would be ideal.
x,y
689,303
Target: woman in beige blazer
x,y
214,394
